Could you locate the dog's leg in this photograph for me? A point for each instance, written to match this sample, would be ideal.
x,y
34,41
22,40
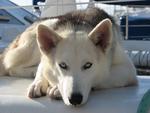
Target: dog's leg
x,y
22,62
53,92
2,68
39,86
23,71
22,55
26,68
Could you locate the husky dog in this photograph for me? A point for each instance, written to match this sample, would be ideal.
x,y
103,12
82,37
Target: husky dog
x,y
75,53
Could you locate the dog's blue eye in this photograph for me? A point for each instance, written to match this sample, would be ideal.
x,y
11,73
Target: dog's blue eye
x,y
87,65
63,66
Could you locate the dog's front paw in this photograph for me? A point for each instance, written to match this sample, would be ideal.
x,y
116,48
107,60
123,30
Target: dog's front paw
x,y
53,92
37,89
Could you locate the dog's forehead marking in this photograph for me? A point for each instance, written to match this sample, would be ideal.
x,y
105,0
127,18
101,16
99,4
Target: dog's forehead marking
x,y
77,48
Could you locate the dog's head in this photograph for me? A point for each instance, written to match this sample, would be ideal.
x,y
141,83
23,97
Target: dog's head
x,y
78,58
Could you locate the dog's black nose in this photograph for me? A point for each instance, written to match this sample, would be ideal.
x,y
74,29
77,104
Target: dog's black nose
x,y
75,99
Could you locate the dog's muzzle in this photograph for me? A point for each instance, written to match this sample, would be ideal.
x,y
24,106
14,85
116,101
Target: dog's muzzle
x,y
76,99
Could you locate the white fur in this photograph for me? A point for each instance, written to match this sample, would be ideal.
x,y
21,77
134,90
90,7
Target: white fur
x,y
109,69
112,69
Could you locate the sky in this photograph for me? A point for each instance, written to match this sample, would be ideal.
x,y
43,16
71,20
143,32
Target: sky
x,y
29,2
22,2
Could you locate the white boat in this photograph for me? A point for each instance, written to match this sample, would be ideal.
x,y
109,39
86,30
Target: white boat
x,y
12,21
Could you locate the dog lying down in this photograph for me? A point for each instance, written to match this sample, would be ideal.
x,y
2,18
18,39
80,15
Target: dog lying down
x,y
70,55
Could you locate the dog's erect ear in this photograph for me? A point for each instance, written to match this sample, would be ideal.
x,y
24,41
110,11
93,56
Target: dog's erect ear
x,y
101,34
47,38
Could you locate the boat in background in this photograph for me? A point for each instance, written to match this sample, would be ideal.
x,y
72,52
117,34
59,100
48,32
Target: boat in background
x,y
13,21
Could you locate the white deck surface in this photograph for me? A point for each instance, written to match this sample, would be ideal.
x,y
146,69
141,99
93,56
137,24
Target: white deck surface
x,y
119,100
